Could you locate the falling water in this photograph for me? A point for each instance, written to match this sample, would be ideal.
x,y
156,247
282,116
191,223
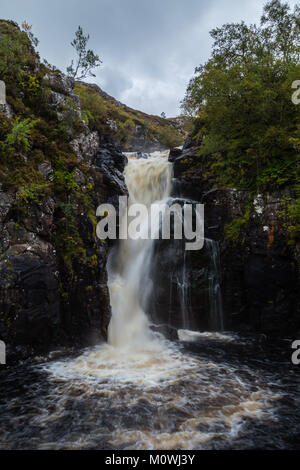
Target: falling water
x,y
148,181
131,282
215,296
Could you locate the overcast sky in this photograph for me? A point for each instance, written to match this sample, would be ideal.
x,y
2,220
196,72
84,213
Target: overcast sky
x,y
149,48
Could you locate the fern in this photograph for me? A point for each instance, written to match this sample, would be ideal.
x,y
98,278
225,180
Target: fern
x,y
19,136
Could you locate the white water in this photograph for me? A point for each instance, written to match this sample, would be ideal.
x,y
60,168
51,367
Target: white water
x,y
148,181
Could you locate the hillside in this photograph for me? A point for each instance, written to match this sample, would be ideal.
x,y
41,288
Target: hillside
x,y
131,129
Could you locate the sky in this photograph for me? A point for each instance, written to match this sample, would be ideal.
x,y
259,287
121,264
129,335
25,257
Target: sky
x,y
149,48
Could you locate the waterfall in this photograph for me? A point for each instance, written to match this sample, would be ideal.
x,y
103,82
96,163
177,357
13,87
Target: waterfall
x,y
148,181
132,284
215,297
147,392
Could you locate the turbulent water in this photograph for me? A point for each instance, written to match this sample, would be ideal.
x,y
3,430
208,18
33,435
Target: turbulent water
x,y
210,391
140,391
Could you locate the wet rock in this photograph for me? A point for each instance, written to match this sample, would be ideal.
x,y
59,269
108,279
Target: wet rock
x,y
43,304
111,163
174,153
167,331
57,99
112,125
53,278
62,97
7,110
6,201
29,295
259,271
39,218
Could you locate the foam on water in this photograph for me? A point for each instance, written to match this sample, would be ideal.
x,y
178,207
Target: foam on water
x,y
175,399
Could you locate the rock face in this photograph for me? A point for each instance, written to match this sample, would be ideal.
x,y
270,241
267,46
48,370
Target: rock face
x,y
181,298
259,269
47,299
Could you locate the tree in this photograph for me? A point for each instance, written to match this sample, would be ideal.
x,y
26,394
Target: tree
x,y
246,120
163,115
86,58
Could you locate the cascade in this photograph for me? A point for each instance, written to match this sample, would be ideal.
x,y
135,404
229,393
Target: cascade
x,y
148,181
130,267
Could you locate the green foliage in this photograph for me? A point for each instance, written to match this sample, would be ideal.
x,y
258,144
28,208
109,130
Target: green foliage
x,y
36,134
125,130
30,84
86,58
28,29
169,137
93,107
17,56
234,229
65,181
290,216
19,137
32,192
242,100
67,238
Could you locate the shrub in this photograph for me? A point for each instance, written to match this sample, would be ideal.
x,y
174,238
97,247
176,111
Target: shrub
x,y
19,136
169,137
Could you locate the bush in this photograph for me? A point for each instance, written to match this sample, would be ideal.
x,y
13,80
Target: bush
x,y
19,137
169,137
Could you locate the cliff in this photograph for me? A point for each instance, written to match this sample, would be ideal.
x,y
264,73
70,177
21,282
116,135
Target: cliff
x,y
259,259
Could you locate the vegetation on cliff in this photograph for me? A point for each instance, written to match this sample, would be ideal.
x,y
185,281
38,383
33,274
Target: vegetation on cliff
x,y
35,134
247,127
